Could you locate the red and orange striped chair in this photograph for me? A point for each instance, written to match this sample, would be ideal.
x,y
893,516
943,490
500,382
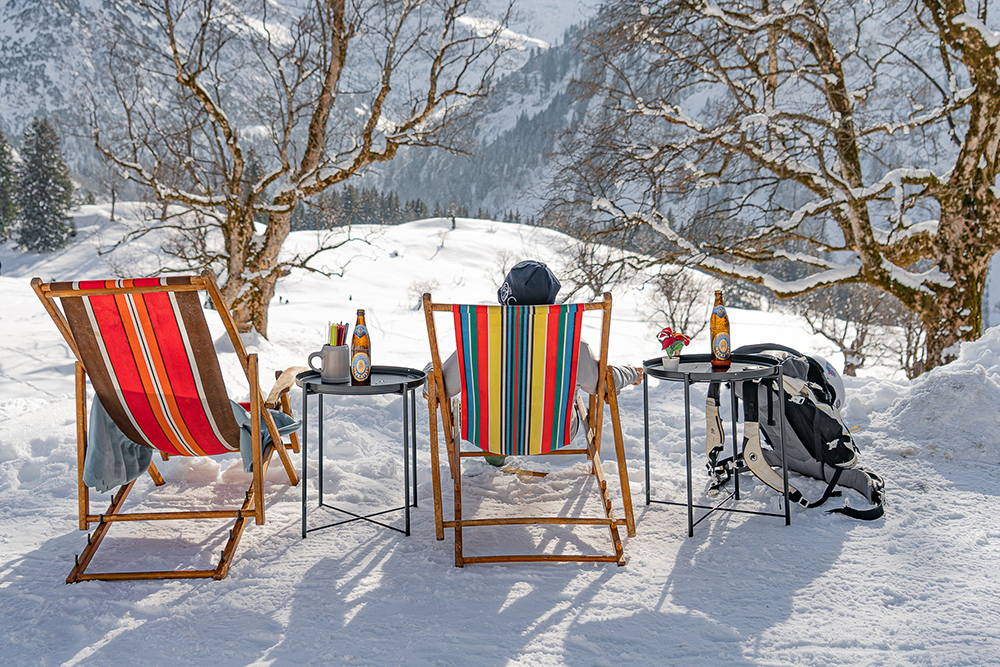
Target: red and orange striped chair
x,y
149,354
518,367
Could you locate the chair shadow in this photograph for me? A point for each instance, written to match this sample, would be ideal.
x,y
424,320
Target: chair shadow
x,y
358,594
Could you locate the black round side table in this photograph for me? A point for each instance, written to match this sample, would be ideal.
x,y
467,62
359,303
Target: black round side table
x,y
697,368
384,380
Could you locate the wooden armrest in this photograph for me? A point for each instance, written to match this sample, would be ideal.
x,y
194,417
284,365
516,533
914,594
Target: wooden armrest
x,y
281,386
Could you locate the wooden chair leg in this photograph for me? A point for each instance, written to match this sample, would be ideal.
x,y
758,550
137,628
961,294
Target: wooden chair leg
x,y
602,489
452,442
620,452
255,439
457,475
286,407
272,429
83,493
154,472
281,449
595,416
228,551
94,541
432,407
455,468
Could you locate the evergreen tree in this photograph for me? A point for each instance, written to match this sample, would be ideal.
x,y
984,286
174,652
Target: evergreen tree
x,y
8,189
45,193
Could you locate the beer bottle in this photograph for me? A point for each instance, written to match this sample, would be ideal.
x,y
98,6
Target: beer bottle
x,y
720,335
361,353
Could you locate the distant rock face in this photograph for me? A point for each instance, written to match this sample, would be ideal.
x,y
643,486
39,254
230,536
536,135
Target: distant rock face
x,y
514,132
53,59
50,60
46,58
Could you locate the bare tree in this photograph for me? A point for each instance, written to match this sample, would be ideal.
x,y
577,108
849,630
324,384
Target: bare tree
x,y
679,302
322,89
852,317
592,269
906,344
854,140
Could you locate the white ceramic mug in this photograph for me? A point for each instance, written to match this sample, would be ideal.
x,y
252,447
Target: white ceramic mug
x,y
335,363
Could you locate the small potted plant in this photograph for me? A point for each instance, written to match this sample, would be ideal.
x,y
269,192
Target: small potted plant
x,y
672,343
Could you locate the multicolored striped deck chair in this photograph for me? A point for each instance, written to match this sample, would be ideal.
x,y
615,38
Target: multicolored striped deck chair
x,y
149,354
518,368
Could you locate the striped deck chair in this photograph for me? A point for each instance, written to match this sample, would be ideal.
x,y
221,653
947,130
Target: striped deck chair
x,y
148,352
518,369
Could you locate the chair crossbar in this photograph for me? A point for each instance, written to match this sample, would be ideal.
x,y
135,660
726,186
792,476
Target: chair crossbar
x,y
146,576
529,521
164,516
542,558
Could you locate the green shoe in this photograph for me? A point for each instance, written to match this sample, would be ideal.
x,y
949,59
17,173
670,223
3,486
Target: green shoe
x,y
497,461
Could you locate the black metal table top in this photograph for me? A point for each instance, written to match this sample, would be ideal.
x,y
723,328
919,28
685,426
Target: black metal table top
x,y
698,368
385,380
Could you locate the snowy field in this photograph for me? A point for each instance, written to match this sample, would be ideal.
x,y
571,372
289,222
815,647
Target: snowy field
x,y
919,587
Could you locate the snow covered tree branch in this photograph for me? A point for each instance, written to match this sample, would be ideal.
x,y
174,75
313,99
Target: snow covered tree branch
x,y
799,145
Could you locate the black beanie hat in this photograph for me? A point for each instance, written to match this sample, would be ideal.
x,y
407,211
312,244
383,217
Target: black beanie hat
x,y
529,283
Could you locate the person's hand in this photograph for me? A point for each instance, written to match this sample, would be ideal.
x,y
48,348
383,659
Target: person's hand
x,y
639,374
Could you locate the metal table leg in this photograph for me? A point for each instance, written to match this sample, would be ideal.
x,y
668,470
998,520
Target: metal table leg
x,y
736,454
781,420
413,431
319,462
406,466
645,427
687,442
305,440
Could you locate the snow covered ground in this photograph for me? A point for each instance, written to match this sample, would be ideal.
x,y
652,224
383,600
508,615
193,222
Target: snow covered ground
x,y
920,586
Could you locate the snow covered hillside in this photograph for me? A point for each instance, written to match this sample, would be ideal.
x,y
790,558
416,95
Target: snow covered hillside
x,y
919,586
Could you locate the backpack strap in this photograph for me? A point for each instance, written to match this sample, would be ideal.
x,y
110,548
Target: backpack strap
x,y
872,487
753,455
765,347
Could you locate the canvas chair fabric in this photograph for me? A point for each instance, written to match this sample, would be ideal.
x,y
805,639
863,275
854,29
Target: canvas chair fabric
x,y
148,351
517,367
518,373
151,359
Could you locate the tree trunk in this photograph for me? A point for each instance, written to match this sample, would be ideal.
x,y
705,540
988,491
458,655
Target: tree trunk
x,y
955,313
252,275
251,312
238,233
968,233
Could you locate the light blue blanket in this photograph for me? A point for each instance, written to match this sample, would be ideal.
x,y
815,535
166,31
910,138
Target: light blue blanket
x,y
113,460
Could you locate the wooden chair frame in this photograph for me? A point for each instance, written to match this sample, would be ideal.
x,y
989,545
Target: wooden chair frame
x,y
252,506
437,400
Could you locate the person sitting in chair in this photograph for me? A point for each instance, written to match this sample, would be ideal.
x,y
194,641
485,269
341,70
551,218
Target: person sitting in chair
x,y
532,283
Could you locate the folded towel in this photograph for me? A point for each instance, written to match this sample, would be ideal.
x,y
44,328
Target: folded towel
x,y
112,459
285,424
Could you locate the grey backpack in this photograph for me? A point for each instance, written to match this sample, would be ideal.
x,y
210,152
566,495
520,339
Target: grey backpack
x,y
817,443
